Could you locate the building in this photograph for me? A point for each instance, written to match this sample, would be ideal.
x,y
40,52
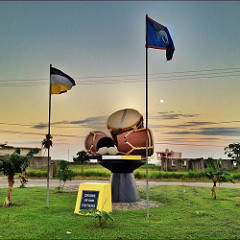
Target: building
x,y
8,150
173,161
168,158
38,161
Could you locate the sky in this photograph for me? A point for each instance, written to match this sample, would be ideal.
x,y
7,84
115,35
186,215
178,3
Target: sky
x,y
101,45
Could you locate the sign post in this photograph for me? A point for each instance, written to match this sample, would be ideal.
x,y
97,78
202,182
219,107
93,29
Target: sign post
x,y
94,196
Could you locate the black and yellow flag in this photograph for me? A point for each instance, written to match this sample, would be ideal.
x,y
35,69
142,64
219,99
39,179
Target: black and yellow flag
x,y
60,82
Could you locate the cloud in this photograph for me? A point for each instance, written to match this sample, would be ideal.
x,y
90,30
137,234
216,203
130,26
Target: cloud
x,y
222,131
218,131
187,124
40,126
190,124
87,122
171,115
196,123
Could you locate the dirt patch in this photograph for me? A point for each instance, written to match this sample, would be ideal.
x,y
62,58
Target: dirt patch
x,y
142,204
69,188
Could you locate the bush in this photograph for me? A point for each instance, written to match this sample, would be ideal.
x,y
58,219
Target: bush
x,y
40,173
235,176
96,174
139,175
155,175
196,174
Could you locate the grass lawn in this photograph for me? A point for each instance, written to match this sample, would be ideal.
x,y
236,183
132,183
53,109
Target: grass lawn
x,y
186,213
98,172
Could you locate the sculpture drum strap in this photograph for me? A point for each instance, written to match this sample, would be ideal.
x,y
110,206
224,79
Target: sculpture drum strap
x,y
134,142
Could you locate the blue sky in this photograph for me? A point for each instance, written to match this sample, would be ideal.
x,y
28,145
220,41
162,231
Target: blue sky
x,y
100,44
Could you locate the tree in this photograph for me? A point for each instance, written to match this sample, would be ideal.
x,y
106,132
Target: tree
x,y
64,174
233,151
216,174
101,215
47,142
81,157
14,163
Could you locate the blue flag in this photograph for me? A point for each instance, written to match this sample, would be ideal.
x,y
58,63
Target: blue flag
x,y
158,37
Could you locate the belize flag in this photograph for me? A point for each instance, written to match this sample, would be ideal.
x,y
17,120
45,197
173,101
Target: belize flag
x,y
60,82
158,37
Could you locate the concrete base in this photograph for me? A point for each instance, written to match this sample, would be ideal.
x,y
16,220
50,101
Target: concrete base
x,y
124,188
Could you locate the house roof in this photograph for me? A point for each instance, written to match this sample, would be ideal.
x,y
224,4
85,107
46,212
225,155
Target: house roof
x,y
4,146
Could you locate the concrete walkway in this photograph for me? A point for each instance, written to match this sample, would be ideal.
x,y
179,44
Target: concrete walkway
x,y
75,183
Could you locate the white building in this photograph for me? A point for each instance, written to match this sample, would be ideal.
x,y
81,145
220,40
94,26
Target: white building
x,y
8,150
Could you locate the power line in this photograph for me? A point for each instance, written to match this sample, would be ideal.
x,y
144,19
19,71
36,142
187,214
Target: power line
x,y
39,134
167,73
33,125
159,75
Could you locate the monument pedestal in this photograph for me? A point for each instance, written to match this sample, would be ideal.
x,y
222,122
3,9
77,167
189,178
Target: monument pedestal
x,y
123,183
124,188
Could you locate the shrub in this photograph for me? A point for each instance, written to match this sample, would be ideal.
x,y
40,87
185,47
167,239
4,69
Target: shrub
x,y
40,173
64,173
96,174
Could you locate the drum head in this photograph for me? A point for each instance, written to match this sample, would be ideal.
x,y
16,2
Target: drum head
x,y
124,119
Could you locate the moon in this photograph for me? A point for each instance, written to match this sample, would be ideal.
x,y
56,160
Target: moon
x,y
161,101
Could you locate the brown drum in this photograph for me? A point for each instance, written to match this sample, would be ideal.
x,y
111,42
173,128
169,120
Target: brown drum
x,y
96,140
134,142
124,120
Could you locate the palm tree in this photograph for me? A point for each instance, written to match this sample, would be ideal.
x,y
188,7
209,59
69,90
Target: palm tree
x,y
47,142
14,163
217,174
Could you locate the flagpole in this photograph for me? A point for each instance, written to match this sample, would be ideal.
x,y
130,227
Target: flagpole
x,y
48,137
147,187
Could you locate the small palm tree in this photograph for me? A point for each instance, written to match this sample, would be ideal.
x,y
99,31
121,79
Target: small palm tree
x,y
64,174
47,142
217,174
14,163
101,215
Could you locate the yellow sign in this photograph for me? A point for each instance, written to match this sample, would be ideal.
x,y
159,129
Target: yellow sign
x,y
94,196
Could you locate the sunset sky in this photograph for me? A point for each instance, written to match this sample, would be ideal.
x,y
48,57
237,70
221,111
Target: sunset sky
x,y
101,45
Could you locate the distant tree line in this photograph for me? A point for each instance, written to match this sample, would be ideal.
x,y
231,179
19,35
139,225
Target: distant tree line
x,y
81,157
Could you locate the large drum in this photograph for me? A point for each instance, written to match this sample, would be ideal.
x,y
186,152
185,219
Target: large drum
x,y
96,140
124,120
134,142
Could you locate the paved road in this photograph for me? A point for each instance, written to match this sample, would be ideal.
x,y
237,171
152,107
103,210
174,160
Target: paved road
x,y
75,183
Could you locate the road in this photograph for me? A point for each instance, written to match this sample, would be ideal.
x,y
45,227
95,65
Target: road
x,y
75,183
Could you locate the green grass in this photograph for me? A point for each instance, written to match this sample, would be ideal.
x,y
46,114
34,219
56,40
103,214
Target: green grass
x,y
186,213
99,172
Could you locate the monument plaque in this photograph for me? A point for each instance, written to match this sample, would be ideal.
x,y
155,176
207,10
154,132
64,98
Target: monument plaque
x,y
89,200
94,196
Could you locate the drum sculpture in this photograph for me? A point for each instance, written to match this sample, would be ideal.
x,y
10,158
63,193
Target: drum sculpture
x,y
96,140
123,153
124,120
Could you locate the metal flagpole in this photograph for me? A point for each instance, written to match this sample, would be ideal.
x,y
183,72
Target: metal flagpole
x,y
48,138
147,187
